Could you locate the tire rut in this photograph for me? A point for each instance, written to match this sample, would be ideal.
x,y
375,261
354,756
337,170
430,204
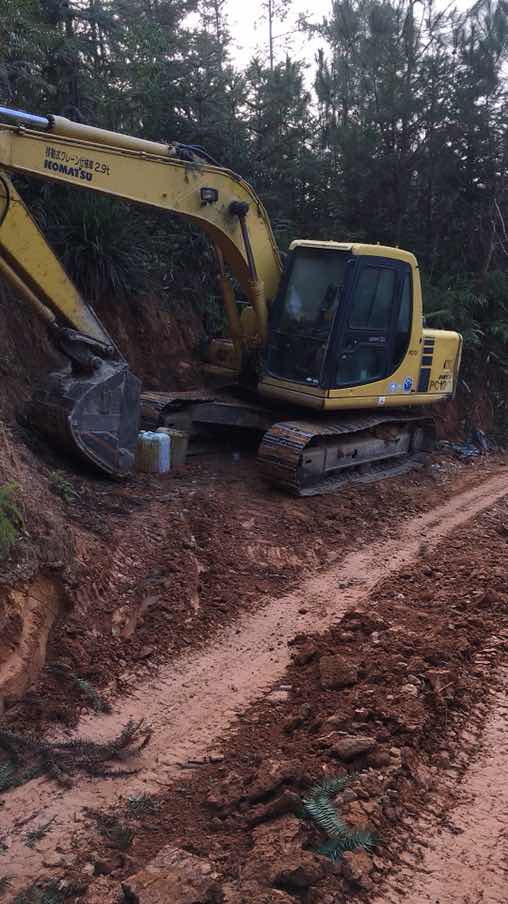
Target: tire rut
x,y
192,701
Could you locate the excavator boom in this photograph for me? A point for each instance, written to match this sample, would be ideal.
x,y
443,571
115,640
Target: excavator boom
x,y
93,406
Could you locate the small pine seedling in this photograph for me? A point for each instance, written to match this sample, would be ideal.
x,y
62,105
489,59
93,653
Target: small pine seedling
x,y
49,893
114,831
321,809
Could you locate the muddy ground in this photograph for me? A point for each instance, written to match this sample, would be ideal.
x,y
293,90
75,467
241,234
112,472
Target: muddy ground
x,y
154,567
196,604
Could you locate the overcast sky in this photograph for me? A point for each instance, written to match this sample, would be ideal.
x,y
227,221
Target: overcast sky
x,y
249,28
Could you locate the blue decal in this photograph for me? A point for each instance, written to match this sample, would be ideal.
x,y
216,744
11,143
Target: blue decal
x,y
408,384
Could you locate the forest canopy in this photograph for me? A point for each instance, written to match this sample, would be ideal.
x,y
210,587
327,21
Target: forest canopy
x,y
397,133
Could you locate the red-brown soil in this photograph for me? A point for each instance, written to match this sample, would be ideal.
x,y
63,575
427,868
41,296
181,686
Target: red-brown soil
x,y
411,645
159,565
425,646
175,597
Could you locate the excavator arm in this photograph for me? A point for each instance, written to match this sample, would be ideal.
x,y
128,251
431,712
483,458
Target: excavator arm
x,y
29,265
94,408
215,199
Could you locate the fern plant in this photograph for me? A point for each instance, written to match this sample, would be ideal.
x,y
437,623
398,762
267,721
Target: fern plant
x,y
98,704
319,806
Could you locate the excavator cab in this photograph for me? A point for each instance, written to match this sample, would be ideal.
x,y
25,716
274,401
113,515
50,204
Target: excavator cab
x,y
339,320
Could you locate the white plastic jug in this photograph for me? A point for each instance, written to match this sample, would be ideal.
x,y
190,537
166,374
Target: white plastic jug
x,y
153,453
178,444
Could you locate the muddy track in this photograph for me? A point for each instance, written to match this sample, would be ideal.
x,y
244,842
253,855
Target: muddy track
x,y
464,861
193,701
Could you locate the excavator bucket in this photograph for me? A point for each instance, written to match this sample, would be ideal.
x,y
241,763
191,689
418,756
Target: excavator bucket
x,y
94,415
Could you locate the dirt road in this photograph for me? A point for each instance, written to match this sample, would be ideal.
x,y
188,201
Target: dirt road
x,y
464,861
191,703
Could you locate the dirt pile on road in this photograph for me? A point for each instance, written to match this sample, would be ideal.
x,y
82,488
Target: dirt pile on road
x,y
378,701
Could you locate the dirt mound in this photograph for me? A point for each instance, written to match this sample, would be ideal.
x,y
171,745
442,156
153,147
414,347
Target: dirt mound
x,y
380,700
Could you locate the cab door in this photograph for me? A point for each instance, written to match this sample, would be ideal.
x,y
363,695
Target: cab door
x,y
367,322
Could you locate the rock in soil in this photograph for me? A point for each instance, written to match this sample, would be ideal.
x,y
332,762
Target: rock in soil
x,y
271,775
279,859
336,672
346,747
174,876
356,868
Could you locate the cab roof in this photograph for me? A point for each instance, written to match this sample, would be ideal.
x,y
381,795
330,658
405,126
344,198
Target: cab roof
x,y
358,248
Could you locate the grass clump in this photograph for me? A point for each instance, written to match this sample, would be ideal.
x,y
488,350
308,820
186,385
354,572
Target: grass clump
x,y
11,520
62,487
51,892
320,807
116,833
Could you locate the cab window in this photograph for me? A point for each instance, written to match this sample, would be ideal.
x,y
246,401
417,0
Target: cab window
x,y
373,299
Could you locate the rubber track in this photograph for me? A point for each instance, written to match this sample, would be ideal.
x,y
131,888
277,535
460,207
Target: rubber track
x,y
281,449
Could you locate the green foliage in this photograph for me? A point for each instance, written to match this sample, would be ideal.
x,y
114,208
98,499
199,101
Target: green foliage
x,y
35,835
396,134
112,829
61,486
7,776
11,520
11,776
105,245
142,805
98,704
477,306
346,840
319,805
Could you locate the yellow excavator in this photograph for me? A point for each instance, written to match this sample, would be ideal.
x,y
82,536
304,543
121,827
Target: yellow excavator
x,y
329,356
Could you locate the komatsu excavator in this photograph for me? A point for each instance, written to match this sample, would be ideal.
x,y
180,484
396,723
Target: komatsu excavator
x,y
333,343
